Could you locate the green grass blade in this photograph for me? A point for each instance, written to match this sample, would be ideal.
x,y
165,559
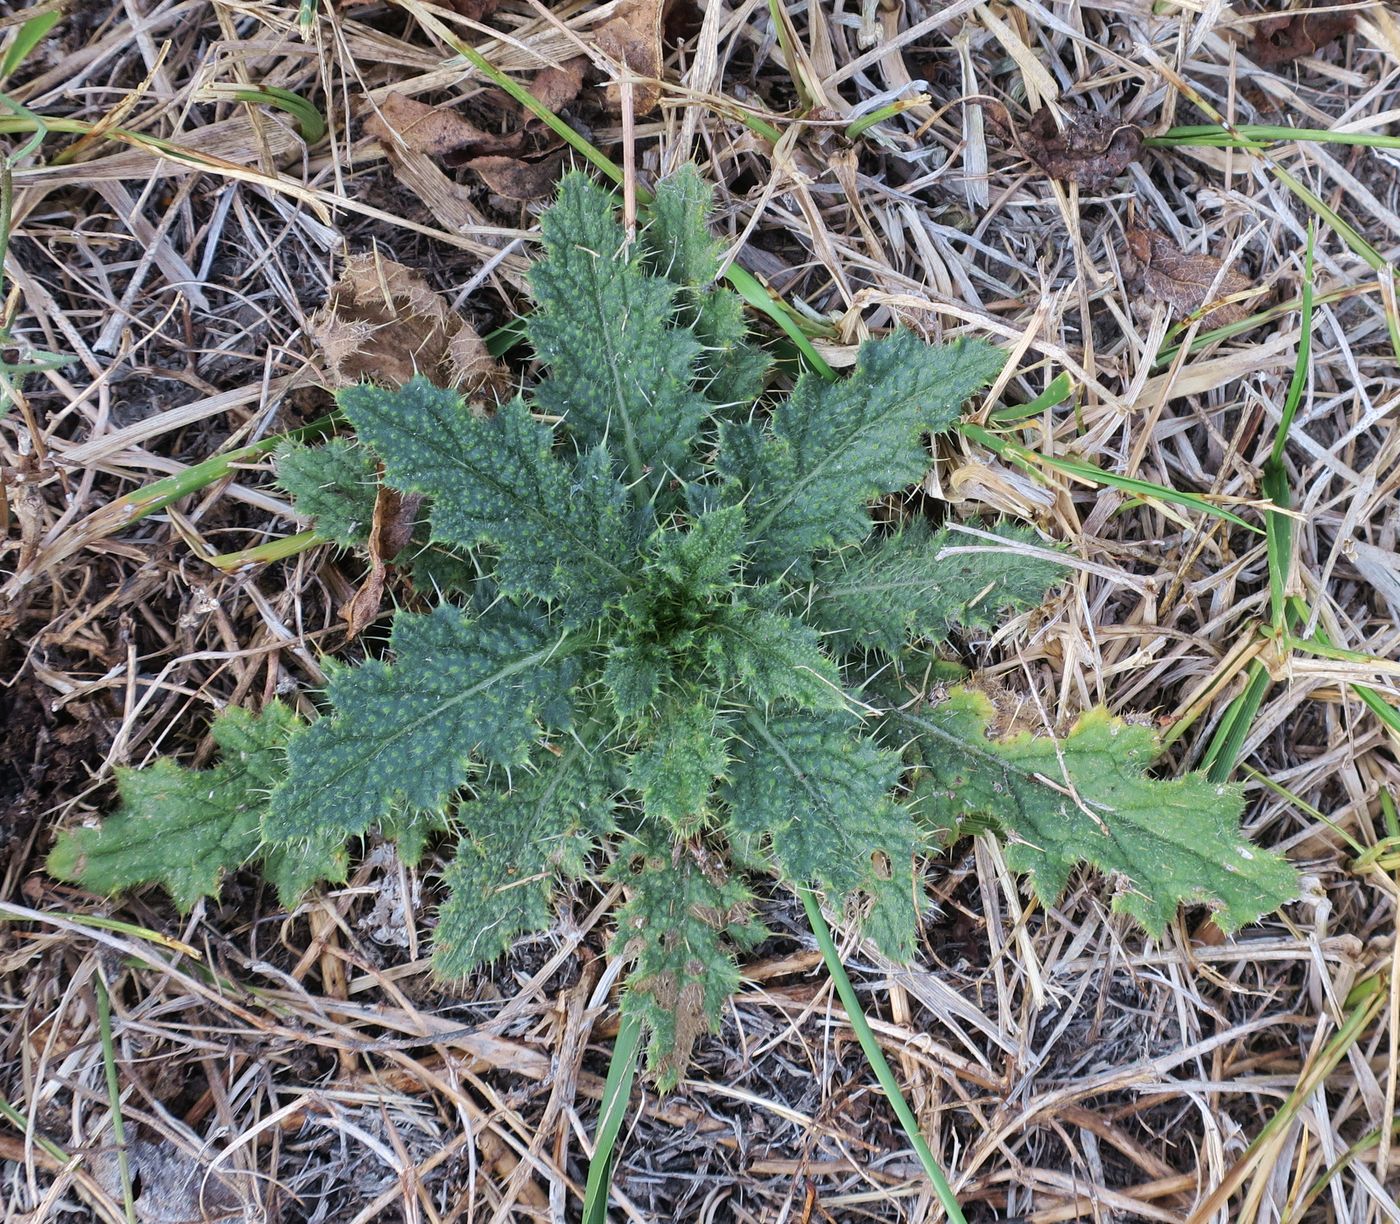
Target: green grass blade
x,y
617,1091
21,1123
1224,751
29,36
1279,531
856,1015
755,123
160,493
114,1094
889,111
1390,814
1380,707
1350,236
1060,389
747,286
1279,527
1363,1145
1323,649
580,144
1300,367
278,549
1246,135
42,361
1384,710
22,119
506,337
1033,461
1367,1000
1274,788
1237,138
777,17
308,119
1205,338
100,922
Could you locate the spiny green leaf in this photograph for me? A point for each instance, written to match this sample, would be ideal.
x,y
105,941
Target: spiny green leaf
x,y
411,830
732,370
832,447
294,867
678,246
676,771
663,577
633,675
333,485
900,587
691,624
676,241
462,688
439,569
500,882
683,914
1088,799
819,793
702,560
774,658
560,533
619,372
185,828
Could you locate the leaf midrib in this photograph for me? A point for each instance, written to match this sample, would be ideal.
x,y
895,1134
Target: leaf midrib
x,y
533,508
819,801
1028,776
535,658
835,452
636,469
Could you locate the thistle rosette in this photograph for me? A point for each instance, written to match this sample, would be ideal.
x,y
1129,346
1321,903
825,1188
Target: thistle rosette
x,y
680,643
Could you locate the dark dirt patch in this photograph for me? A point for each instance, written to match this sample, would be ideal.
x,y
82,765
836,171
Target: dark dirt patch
x,y
46,757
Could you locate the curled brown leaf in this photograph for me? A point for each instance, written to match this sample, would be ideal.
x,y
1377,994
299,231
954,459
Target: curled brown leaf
x,y
392,527
1092,150
1290,36
435,131
516,179
1157,267
471,368
443,135
384,323
633,39
558,85
473,10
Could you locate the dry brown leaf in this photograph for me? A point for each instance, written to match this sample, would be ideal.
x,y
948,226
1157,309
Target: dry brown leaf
x,y
633,39
557,87
1291,36
518,180
437,131
362,608
392,526
471,368
390,532
1156,266
1093,150
382,322
473,10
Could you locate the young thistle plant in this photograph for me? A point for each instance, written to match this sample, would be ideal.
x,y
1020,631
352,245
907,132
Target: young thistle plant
x,y
667,628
